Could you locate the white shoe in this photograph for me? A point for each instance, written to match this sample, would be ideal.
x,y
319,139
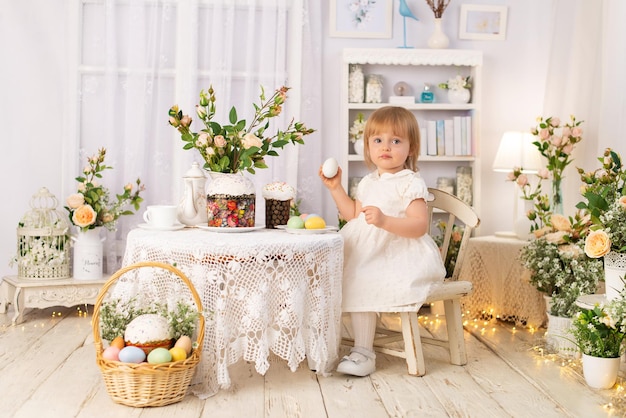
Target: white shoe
x,y
361,362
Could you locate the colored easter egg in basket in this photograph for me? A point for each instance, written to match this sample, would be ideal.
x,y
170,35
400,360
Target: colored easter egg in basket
x,y
111,353
184,342
131,354
159,355
177,353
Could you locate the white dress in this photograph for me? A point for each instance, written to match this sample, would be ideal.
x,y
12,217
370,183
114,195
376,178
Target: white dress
x,y
382,269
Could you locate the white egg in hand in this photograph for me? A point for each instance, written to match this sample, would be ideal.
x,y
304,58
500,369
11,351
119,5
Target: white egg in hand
x,y
330,167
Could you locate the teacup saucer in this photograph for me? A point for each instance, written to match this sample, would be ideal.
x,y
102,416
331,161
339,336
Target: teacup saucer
x,y
174,227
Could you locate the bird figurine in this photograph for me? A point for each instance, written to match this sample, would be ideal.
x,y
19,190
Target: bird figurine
x,y
406,12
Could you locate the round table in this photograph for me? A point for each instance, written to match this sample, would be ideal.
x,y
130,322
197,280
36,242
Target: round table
x,y
264,290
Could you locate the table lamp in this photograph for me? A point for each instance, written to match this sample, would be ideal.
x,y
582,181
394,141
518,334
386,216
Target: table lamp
x,y
516,149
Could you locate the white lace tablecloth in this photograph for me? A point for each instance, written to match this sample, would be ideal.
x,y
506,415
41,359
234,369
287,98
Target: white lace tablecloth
x,y
501,287
265,290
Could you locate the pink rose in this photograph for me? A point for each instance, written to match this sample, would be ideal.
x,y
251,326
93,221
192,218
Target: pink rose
x,y
543,173
203,140
219,141
250,140
566,132
542,231
555,122
556,237
622,202
568,149
185,121
544,134
511,176
577,132
522,180
75,200
556,140
173,122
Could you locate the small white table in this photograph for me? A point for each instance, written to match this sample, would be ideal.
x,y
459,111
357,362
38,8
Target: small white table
x,y
27,293
264,291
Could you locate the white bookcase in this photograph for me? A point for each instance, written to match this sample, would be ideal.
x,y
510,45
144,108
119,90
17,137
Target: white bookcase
x,y
416,67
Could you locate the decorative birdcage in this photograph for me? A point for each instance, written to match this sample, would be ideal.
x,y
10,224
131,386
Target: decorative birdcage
x,y
43,243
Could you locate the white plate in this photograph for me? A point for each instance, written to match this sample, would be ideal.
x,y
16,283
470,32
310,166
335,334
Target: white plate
x,y
176,227
230,230
302,231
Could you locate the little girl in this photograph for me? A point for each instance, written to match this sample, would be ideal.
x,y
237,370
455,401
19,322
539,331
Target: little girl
x,y
389,259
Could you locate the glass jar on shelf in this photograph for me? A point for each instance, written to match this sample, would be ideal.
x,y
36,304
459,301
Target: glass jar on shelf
x,y
356,84
374,89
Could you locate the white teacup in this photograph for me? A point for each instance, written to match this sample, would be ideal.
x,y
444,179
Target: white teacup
x,y
160,216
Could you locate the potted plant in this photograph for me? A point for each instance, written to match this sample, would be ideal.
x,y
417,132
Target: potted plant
x,y
561,270
599,334
603,190
558,265
356,133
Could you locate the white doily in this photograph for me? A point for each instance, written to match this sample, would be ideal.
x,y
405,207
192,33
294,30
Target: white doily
x,y
262,291
501,286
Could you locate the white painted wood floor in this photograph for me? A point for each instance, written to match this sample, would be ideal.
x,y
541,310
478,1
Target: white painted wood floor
x,y
48,369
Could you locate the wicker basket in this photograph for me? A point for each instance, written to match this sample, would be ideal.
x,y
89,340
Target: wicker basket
x,y
142,385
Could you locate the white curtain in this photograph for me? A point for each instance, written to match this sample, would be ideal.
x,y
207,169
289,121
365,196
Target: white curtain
x,y
586,79
136,59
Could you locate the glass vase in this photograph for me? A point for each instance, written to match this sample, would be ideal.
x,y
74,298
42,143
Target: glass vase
x,y
556,202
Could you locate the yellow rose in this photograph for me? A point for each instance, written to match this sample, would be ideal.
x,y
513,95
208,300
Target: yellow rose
x,y
75,200
84,216
597,244
560,222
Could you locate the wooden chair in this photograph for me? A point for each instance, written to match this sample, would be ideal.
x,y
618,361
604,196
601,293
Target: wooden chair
x,y
450,292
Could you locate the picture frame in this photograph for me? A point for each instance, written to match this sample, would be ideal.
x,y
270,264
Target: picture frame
x,y
371,20
483,22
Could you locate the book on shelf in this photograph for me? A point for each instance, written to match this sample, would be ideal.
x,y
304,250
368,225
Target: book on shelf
x,y
440,137
448,137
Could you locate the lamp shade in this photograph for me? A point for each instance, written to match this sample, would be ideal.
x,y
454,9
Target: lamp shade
x,y
517,150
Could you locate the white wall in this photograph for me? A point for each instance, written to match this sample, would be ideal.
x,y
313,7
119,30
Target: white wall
x,y
33,81
513,79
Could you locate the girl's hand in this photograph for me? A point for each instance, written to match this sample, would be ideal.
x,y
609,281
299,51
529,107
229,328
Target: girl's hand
x,y
331,183
374,216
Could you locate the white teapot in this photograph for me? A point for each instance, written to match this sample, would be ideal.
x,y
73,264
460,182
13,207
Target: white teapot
x,y
192,208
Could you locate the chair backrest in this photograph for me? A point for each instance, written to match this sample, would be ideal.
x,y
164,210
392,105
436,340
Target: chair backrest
x,y
452,210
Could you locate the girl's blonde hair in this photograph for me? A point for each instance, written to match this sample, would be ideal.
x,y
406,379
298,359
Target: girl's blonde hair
x,y
400,122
